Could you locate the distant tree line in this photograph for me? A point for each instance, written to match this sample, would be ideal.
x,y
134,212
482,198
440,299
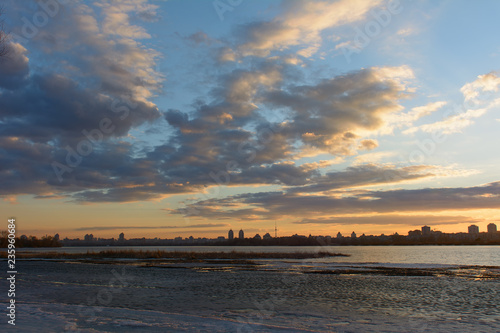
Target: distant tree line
x,y
30,241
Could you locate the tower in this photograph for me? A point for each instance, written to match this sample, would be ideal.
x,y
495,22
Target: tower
x,y
241,234
230,234
275,230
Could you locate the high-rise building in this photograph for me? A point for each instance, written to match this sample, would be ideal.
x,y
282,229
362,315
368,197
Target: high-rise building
x,y
121,238
426,230
492,228
473,229
339,235
230,234
353,235
241,234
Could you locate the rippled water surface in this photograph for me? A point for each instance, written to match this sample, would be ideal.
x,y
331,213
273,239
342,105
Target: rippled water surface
x,y
375,289
110,297
454,255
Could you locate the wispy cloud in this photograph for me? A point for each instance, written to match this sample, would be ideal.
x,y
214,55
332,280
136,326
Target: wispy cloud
x,y
190,226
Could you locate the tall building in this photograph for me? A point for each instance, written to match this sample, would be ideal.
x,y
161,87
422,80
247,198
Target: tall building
x,y
241,234
473,229
426,230
339,235
492,228
230,234
121,238
353,235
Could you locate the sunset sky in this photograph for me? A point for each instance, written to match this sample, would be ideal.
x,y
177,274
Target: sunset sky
x,y
178,118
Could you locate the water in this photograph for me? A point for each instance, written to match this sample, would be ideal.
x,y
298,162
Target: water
x,y
133,298
290,295
413,255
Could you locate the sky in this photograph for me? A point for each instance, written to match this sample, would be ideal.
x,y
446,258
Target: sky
x,y
178,118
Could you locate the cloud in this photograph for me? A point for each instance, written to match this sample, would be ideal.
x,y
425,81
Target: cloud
x,y
117,18
452,124
187,226
478,100
373,157
283,205
199,38
407,119
405,32
387,219
329,115
301,25
368,144
252,126
484,83
364,175
226,141
14,66
90,74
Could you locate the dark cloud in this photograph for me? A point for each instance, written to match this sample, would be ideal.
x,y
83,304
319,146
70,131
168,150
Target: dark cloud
x,y
416,220
365,175
275,205
54,108
14,67
255,121
199,38
328,115
368,145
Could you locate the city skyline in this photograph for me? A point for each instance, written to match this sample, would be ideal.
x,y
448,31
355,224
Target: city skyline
x,y
190,118
423,231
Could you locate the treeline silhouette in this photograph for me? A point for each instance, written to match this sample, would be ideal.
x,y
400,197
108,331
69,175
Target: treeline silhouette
x,y
30,241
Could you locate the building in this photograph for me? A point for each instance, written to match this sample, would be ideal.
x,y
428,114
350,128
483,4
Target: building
x,y
257,236
426,230
492,228
473,229
267,236
353,235
121,238
230,234
241,234
414,233
339,235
